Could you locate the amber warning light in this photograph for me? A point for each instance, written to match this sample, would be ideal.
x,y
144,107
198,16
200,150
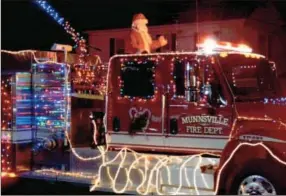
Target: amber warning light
x,y
210,46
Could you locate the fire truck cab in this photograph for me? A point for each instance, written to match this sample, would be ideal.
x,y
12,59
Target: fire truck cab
x,y
222,100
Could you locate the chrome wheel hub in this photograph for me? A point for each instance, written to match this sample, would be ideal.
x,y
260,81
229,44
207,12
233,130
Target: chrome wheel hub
x,y
256,185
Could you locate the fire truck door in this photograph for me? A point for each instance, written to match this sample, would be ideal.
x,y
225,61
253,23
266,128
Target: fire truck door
x,y
198,114
137,113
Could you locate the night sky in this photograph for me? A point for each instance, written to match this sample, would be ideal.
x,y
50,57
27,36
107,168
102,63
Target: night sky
x,y
26,26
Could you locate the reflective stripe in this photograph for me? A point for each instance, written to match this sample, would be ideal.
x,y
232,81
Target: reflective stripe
x,y
186,142
260,138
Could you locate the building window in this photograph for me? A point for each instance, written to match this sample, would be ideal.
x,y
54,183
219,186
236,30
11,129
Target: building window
x,y
111,47
116,46
119,46
174,42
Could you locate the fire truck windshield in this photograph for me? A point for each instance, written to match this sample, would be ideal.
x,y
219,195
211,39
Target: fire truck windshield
x,y
249,78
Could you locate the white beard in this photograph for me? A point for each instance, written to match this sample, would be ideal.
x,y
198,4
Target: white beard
x,y
143,30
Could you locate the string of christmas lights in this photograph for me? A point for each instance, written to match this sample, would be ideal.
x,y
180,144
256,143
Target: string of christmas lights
x,y
162,161
50,95
239,146
89,80
70,174
76,37
6,124
148,66
147,178
86,79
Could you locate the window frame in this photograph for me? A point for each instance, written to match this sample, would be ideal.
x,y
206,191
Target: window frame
x,y
152,80
198,74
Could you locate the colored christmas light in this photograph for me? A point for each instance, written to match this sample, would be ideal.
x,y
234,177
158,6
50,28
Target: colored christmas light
x,y
76,37
6,123
23,102
127,64
88,79
142,156
162,161
51,95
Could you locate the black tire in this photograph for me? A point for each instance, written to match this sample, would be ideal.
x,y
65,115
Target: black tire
x,y
257,170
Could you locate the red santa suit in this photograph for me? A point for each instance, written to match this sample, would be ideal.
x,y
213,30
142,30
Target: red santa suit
x,y
140,40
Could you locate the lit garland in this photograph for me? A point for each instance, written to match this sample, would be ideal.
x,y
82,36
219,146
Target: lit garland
x,y
23,102
6,103
84,79
6,124
70,174
89,81
8,174
144,176
50,96
26,54
76,37
162,162
83,71
125,64
275,101
241,67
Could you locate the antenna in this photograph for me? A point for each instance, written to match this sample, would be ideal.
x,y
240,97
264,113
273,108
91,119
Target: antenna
x,y
197,20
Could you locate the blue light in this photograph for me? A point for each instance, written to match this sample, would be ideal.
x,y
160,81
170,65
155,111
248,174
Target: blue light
x,y
49,9
61,20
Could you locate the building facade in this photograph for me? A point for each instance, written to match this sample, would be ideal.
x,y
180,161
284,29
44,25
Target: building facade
x,y
261,29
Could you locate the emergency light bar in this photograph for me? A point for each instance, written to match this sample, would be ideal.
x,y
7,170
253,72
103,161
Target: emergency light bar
x,y
210,46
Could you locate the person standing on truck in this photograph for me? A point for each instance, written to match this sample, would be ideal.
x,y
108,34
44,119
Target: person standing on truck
x,y
140,41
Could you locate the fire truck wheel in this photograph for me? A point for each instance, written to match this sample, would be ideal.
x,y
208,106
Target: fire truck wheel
x,y
255,181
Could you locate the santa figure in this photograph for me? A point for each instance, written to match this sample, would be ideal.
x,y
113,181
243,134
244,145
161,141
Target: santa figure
x,y
141,41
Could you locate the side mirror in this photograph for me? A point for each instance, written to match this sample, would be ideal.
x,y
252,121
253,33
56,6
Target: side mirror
x,y
215,99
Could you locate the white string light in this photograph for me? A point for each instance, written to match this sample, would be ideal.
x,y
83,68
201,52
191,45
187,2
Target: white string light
x,y
162,161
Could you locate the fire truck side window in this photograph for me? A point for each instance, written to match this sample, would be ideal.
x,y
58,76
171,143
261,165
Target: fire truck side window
x,y
196,81
138,79
179,77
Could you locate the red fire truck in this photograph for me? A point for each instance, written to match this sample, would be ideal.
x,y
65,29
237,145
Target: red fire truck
x,y
223,99
206,122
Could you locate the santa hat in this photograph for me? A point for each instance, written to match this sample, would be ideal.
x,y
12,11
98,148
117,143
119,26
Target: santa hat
x,y
139,17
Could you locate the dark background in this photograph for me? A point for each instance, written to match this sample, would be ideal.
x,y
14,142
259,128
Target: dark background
x,y
37,187
26,26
